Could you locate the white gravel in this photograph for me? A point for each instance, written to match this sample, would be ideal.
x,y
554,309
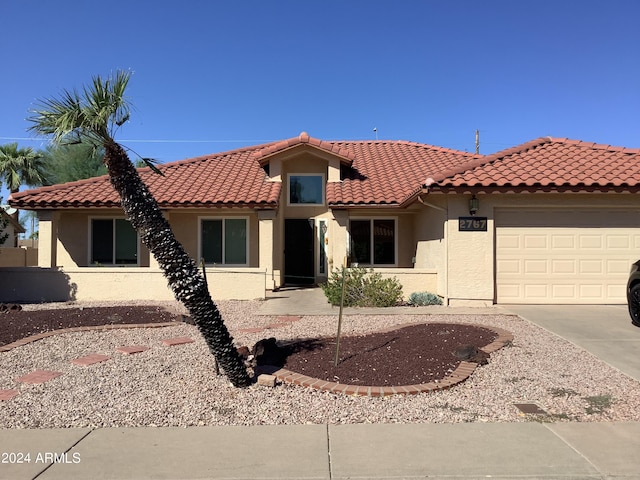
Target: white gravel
x,y
176,386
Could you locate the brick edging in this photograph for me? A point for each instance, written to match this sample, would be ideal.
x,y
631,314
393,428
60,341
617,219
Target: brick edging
x,y
459,375
51,333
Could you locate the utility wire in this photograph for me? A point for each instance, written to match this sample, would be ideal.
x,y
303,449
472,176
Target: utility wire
x,y
39,139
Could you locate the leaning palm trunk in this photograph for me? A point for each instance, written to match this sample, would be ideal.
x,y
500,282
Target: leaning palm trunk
x,y
180,270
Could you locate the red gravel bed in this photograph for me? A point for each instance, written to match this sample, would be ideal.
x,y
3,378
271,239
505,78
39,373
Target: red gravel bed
x,y
16,325
405,356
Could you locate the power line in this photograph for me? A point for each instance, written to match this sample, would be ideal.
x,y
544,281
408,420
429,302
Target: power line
x,y
40,139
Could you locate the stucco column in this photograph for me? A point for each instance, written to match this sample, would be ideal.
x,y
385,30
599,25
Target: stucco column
x,y
265,247
48,238
338,239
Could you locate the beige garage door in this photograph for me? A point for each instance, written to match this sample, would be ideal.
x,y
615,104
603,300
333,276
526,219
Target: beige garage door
x,y
565,256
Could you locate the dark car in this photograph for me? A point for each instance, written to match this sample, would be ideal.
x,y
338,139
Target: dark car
x,y
633,294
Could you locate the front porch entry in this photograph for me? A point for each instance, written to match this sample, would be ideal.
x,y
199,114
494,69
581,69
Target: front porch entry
x,y
298,252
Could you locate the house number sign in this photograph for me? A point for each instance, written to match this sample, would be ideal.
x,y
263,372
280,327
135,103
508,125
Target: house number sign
x,y
472,224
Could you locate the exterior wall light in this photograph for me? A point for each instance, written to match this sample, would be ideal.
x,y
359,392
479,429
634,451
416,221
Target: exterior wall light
x,y
474,205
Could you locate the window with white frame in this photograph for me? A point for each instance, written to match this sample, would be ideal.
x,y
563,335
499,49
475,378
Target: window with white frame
x,y
373,241
306,189
113,242
224,241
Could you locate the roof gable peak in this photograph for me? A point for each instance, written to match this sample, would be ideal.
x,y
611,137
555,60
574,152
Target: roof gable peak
x,y
303,141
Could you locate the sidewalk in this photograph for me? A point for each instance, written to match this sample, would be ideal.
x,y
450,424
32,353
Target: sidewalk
x,y
503,450
363,451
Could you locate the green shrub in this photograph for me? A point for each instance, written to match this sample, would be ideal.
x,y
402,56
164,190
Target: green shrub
x,y
420,299
363,288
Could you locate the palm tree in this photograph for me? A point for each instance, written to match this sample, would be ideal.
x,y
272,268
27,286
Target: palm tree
x,y
20,166
94,115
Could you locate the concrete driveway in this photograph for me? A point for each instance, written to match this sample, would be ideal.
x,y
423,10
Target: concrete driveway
x,y
604,330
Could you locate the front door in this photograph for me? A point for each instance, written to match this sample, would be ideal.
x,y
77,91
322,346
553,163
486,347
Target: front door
x,y
298,252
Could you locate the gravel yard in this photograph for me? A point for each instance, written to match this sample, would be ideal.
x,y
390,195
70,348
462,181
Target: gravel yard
x,y
176,386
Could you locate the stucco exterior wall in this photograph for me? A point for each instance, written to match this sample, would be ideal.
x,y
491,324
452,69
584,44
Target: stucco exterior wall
x,y
32,284
431,242
18,256
412,279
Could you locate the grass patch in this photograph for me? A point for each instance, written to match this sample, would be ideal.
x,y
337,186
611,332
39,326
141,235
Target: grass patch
x,y
515,379
446,406
562,392
549,418
598,403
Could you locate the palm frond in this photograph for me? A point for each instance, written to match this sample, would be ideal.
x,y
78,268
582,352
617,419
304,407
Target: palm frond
x,y
94,114
151,163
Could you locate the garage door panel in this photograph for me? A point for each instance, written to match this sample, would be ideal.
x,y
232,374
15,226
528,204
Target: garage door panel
x,y
509,267
595,291
532,267
507,241
619,267
563,267
511,292
593,266
616,291
536,291
565,256
536,241
618,242
563,241
589,242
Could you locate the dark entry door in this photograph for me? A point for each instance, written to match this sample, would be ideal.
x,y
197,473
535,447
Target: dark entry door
x,y
298,252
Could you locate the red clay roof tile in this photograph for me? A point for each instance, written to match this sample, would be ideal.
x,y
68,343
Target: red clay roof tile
x,y
547,161
376,173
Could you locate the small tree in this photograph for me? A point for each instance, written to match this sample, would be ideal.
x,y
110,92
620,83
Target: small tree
x,y
362,288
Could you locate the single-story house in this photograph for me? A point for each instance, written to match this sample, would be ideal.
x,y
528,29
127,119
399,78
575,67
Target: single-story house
x,y
10,227
550,221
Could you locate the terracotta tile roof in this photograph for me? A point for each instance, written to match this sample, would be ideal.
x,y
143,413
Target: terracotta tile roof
x,y
549,162
390,172
375,173
230,179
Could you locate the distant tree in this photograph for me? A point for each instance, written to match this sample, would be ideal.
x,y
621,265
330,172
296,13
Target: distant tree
x,y
29,221
94,115
20,166
70,162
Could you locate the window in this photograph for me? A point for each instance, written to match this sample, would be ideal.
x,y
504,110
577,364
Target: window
x,y
373,241
306,189
224,241
113,242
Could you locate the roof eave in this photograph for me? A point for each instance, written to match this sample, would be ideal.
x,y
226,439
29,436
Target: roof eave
x,y
536,188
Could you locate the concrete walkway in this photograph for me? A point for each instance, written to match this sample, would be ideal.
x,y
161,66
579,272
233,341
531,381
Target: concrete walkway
x,y
502,450
385,451
312,301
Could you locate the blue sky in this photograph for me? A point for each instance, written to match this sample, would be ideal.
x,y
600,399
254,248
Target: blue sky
x,y
211,76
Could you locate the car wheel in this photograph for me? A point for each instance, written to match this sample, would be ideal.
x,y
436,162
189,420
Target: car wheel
x,y
634,304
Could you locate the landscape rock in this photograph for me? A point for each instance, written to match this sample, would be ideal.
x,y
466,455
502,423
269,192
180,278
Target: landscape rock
x,y
267,380
471,353
267,352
